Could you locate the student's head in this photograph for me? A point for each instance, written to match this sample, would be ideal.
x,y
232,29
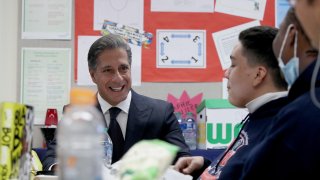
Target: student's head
x,y
254,70
293,48
308,13
109,61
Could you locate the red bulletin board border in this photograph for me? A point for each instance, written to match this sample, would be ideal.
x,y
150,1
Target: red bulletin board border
x,y
211,22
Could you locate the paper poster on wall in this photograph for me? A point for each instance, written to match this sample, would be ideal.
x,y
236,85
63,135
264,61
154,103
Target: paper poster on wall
x,y
182,6
152,21
45,79
253,9
129,12
132,35
171,43
46,19
185,104
226,39
84,79
282,6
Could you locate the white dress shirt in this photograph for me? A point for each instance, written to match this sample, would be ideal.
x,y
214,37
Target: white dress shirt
x,y
122,118
261,100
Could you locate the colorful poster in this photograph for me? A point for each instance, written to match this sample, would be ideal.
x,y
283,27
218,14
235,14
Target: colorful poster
x,y
211,71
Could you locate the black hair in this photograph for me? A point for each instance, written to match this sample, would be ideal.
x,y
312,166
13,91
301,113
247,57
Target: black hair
x,y
257,44
291,18
110,41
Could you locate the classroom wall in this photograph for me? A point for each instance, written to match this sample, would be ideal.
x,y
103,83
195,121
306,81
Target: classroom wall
x,y
9,70
10,48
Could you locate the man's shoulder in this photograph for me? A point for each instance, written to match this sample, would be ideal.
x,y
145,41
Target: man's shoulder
x,y
302,112
147,99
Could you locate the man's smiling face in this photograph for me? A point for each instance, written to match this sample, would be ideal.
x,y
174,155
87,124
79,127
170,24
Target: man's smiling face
x,y
112,75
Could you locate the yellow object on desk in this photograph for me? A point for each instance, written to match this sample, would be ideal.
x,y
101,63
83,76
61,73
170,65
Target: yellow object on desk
x,y
36,163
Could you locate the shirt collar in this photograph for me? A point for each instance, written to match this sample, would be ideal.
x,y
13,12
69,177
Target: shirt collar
x,y
261,100
123,105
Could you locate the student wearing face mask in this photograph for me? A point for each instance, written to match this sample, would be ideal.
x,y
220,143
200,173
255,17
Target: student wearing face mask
x,y
291,147
290,45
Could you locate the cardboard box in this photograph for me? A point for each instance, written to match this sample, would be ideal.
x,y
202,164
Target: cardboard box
x,y
218,123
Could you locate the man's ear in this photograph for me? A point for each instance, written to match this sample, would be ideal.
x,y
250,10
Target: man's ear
x,y
292,35
92,73
260,76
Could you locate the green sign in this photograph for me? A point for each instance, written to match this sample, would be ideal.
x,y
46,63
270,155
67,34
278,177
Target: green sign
x,y
222,133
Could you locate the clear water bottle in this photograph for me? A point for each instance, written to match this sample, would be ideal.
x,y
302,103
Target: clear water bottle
x,y
190,133
181,121
108,148
79,136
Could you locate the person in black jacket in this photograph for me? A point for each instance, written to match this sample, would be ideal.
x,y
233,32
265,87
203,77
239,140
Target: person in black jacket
x,y
255,83
141,117
291,148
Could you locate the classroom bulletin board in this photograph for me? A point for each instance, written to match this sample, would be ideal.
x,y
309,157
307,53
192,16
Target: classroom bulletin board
x,y
210,22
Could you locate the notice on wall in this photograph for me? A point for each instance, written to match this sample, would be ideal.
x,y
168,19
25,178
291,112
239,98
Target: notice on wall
x,y
128,12
182,6
181,48
253,9
46,19
226,39
45,80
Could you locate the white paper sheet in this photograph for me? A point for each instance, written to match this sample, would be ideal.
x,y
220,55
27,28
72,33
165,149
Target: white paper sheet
x,y
126,12
253,9
226,39
84,79
45,80
46,19
182,5
181,48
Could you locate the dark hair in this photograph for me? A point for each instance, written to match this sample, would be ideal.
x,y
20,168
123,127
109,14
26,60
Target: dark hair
x,y
291,18
257,43
110,41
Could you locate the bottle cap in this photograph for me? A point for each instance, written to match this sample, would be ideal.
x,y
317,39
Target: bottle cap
x,y
82,96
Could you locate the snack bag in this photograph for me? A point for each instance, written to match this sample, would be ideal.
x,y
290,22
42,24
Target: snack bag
x,y
147,160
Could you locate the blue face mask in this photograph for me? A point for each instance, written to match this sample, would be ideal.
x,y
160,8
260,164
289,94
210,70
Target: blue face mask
x,y
291,69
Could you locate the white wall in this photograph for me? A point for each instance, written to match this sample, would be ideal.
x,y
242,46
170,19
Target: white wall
x,y
9,74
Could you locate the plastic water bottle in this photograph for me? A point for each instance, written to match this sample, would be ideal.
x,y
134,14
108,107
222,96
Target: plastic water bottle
x,y
79,138
181,121
108,148
190,133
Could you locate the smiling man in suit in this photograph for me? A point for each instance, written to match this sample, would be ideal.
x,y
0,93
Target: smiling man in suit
x,y
140,117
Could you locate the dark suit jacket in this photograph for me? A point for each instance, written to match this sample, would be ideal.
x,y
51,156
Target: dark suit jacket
x,y
147,119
